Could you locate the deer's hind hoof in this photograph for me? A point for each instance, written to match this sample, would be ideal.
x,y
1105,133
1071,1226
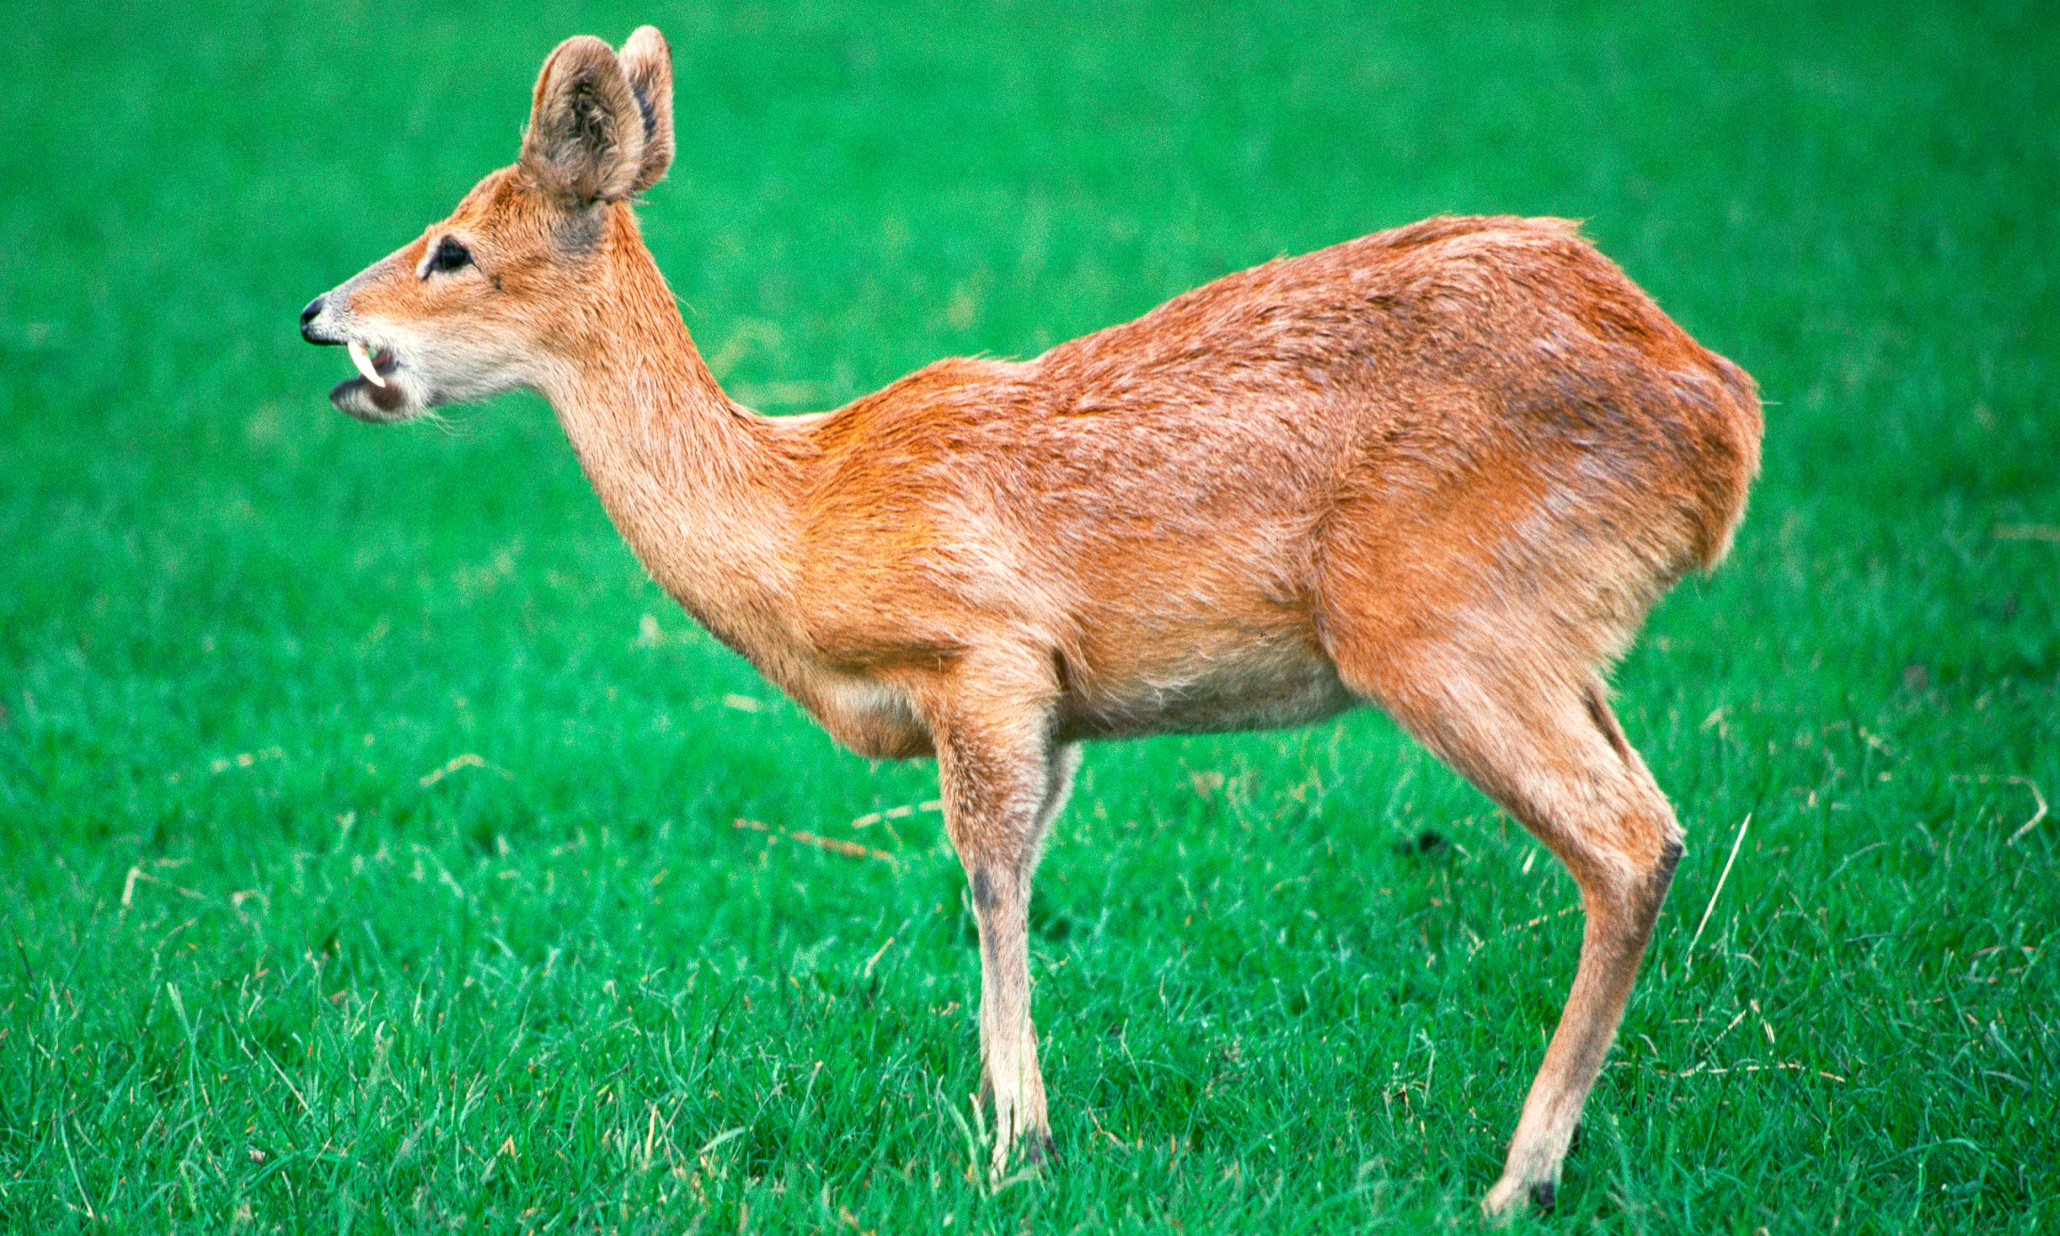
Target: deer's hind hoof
x,y
1510,1196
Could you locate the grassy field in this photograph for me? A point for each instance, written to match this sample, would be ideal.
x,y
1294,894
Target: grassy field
x,y
369,855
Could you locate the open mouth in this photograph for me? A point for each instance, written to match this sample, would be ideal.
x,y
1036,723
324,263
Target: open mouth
x,y
373,388
374,366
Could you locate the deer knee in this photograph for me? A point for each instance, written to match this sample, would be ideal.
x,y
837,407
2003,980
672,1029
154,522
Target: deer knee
x,y
984,897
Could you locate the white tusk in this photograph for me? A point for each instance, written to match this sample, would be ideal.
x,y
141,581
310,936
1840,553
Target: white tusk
x,y
363,360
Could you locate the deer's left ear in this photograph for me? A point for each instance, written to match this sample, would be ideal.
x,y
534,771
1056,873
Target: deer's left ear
x,y
585,140
647,63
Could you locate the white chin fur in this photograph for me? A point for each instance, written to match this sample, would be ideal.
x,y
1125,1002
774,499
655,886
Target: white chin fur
x,y
381,405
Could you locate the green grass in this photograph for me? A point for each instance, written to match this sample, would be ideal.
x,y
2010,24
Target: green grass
x,y
259,969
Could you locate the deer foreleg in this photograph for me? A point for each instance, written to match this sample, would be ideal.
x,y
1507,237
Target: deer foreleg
x,y
1003,780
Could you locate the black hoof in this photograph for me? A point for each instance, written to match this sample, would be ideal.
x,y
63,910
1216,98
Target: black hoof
x,y
1039,1151
1543,1195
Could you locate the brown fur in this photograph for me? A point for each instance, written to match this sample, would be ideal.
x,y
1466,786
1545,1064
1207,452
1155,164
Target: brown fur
x,y
1444,469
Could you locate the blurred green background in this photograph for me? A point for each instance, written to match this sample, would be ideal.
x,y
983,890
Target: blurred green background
x,y
368,843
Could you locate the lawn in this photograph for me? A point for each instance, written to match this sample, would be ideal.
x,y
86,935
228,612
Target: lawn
x,y
380,850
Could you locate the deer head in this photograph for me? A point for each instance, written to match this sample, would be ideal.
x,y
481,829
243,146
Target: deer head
x,y
506,291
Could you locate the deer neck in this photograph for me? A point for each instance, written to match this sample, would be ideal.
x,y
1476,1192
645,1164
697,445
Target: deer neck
x,y
700,488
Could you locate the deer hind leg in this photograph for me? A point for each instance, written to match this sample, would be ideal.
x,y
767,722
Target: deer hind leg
x,y
1002,781
1545,746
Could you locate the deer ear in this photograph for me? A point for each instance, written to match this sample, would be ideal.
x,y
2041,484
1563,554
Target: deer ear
x,y
585,141
647,63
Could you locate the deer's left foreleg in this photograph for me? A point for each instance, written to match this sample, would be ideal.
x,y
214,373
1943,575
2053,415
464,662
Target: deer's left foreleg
x,y
1003,779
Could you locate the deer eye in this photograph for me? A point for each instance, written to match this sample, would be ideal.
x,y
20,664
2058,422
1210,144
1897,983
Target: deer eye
x,y
449,256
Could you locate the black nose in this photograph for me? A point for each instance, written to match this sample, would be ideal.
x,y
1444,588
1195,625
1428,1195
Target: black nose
x,y
307,316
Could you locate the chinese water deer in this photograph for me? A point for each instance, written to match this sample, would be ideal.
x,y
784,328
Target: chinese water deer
x,y
1444,470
